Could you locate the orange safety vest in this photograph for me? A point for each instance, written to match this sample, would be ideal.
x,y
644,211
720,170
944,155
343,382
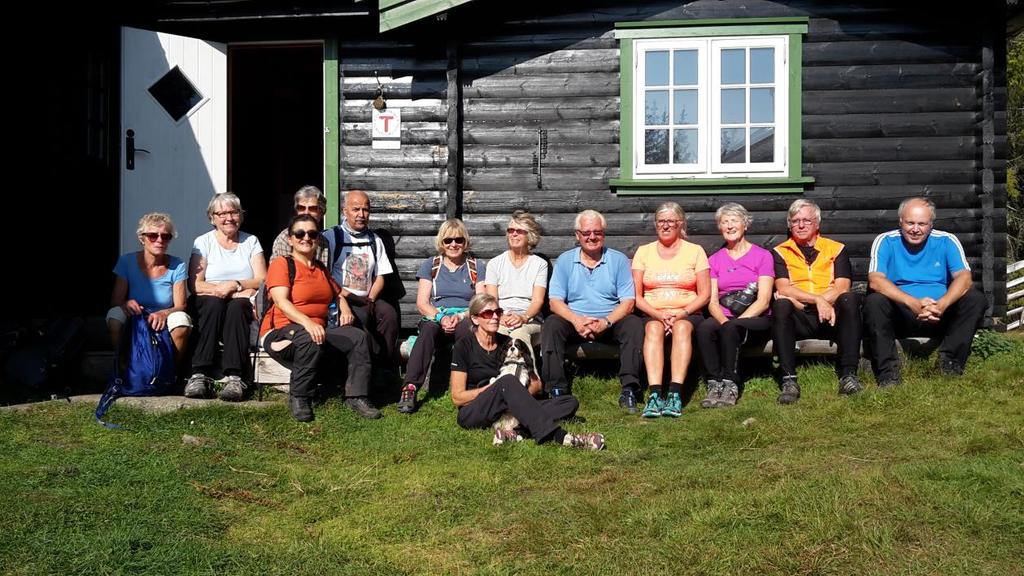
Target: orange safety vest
x,y
818,276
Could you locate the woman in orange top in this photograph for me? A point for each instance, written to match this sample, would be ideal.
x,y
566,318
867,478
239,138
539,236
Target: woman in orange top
x,y
294,329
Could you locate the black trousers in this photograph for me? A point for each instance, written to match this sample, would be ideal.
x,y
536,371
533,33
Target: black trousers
x,y
719,344
538,418
382,328
790,325
303,357
557,332
886,320
430,335
224,320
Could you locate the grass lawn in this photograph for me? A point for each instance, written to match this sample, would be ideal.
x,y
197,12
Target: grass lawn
x,y
927,478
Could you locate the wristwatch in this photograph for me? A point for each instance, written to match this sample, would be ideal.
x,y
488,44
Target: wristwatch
x,y
239,285
608,320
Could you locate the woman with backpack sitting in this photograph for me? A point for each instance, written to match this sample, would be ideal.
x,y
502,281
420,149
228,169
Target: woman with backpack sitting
x,y
446,284
294,329
151,282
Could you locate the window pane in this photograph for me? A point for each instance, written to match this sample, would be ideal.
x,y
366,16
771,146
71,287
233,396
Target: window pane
x,y
762,104
734,66
656,146
762,144
685,147
656,66
176,93
656,107
685,67
685,111
734,143
734,106
762,65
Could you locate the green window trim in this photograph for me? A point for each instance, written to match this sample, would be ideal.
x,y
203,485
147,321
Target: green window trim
x,y
331,133
627,32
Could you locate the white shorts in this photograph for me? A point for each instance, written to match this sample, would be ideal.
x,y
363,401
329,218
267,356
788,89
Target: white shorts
x,y
174,319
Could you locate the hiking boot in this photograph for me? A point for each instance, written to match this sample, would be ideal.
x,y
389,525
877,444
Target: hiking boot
x,y
890,382
584,440
673,406
849,385
949,367
654,406
556,392
301,407
198,386
627,400
790,390
360,405
505,436
730,392
714,394
407,401
234,389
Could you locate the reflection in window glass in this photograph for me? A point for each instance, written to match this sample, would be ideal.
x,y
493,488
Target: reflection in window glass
x,y
656,146
734,69
685,109
734,106
734,146
762,144
762,104
685,147
656,107
762,65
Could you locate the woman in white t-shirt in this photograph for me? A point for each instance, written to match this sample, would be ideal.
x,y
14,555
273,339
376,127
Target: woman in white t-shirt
x,y
519,280
225,270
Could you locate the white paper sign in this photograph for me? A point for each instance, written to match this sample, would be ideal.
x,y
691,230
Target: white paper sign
x,y
387,129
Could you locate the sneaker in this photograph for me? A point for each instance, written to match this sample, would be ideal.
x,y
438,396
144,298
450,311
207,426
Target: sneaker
x,y
730,393
627,400
503,436
234,389
407,401
849,385
790,390
584,440
714,394
889,382
949,367
673,406
360,405
301,407
654,406
506,422
198,386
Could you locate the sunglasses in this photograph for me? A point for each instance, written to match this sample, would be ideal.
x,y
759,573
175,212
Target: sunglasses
x,y
515,231
301,208
153,236
301,234
456,240
489,313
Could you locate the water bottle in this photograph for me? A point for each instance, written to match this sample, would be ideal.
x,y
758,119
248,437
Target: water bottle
x,y
751,289
332,315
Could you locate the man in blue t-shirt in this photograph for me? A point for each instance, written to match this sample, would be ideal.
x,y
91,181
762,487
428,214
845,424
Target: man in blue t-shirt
x,y
592,296
921,285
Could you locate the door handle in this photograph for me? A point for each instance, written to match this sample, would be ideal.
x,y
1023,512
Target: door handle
x,y
130,149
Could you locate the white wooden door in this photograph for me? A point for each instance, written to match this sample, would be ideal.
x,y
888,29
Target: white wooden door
x,y
174,103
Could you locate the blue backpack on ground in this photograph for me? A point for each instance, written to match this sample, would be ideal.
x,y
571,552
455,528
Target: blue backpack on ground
x,y
150,369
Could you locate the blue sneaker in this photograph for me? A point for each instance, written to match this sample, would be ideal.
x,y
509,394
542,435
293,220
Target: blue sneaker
x,y
627,401
673,406
654,406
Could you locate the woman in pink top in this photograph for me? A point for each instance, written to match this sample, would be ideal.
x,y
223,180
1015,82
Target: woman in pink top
x,y
738,266
672,285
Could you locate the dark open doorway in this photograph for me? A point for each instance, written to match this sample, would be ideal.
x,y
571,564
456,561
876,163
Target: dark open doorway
x,y
276,133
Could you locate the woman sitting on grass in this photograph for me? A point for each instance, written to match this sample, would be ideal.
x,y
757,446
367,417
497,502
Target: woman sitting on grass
x,y
484,398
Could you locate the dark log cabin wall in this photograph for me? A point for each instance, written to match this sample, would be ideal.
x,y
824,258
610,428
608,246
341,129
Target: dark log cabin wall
x,y
893,107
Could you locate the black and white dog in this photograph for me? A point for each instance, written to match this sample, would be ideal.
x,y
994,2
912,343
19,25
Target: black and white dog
x,y
516,360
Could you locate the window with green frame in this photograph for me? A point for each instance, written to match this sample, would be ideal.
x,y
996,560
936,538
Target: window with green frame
x,y
710,105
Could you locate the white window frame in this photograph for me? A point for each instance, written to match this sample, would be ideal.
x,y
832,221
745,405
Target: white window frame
x,y
709,163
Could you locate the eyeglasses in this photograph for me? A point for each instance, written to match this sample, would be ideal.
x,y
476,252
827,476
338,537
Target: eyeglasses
x,y
154,236
488,313
301,234
303,208
515,232
226,213
669,223
456,240
801,222
589,233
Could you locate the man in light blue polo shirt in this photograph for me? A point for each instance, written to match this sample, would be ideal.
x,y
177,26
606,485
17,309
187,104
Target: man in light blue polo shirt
x,y
921,285
592,295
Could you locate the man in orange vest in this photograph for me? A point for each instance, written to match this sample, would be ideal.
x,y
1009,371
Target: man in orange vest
x,y
813,300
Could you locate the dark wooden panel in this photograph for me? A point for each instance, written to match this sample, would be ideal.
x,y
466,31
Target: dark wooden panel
x,y
409,156
559,155
570,179
436,111
888,125
889,76
880,51
889,101
541,109
404,179
888,149
543,86
405,202
525,132
433,87
395,66
413,133
892,173
555,62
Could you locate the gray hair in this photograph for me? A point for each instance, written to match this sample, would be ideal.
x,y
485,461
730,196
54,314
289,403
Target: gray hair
x,y
156,219
310,193
451,225
800,204
526,221
677,211
589,214
224,198
918,199
477,303
734,209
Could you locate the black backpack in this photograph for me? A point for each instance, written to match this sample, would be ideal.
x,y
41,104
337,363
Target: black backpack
x,y
264,302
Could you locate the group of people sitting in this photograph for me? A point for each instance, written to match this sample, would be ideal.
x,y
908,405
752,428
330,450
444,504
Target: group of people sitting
x,y
326,288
